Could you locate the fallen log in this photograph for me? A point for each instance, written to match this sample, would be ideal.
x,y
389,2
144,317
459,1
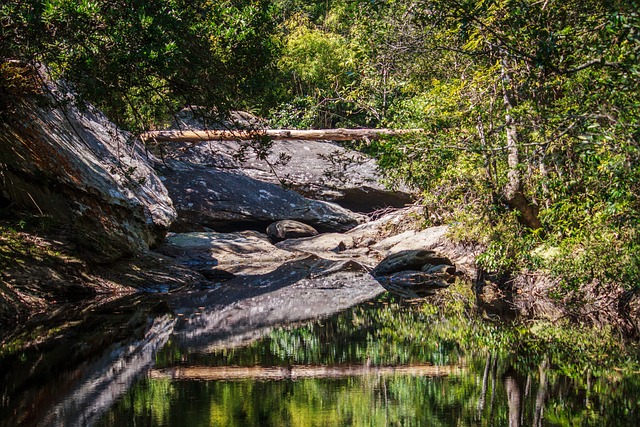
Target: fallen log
x,y
282,134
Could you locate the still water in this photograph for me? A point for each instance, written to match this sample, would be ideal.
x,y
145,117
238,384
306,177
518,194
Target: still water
x,y
380,363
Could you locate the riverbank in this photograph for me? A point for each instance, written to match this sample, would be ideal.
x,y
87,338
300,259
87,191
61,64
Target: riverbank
x,y
42,268
95,213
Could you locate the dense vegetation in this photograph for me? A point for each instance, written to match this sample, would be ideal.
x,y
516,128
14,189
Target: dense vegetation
x,y
530,109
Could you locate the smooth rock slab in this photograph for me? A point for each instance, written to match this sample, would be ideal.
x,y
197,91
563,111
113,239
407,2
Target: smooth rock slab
x,y
225,201
73,165
246,252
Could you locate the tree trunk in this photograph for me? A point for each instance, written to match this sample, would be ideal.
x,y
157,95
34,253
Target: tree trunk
x,y
512,192
308,135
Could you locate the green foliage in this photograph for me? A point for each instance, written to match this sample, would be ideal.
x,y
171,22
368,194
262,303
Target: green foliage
x,y
569,72
141,61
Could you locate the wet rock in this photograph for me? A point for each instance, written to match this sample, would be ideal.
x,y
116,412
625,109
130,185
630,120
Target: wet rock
x,y
73,165
439,269
288,229
226,201
414,273
413,284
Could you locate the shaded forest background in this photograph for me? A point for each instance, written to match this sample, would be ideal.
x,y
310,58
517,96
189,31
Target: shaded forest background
x,y
530,109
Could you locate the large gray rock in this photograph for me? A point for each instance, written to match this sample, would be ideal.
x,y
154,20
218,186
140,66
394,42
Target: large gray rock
x,y
78,168
414,273
224,201
319,170
316,169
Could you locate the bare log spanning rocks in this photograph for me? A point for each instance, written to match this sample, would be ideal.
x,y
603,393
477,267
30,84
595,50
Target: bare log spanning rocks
x,y
317,169
280,134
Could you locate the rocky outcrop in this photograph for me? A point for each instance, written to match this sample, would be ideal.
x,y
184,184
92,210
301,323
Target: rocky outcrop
x,y
320,170
316,169
76,167
223,201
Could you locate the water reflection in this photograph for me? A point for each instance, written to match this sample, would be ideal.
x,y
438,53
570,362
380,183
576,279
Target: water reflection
x,y
131,362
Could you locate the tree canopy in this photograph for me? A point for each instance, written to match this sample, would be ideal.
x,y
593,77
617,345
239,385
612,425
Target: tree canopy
x,y
142,61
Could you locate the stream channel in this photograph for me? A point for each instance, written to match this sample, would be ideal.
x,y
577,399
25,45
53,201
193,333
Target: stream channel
x,y
300,355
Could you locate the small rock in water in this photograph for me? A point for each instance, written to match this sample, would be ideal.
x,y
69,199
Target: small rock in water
x,y
414,273
289,229
412,284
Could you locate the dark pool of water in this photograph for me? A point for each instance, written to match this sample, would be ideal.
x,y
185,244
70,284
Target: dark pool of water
x,y
138,362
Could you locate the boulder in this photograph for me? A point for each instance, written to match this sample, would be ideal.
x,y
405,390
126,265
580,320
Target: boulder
x,y
288,229
224,201
73,165
414,273
431,239
316,169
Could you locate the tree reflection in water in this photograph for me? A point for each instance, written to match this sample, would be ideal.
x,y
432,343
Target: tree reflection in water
x,y
376,365
379,363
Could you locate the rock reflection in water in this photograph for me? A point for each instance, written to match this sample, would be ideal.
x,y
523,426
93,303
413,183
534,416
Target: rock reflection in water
x,y
83,373
105,380
220,357
71,378
248,306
